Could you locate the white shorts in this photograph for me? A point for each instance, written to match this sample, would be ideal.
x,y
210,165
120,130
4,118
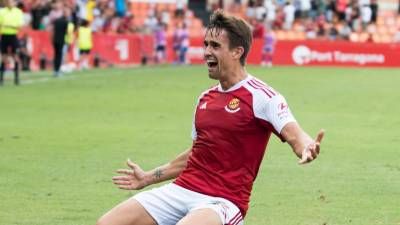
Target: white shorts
x,y
170,203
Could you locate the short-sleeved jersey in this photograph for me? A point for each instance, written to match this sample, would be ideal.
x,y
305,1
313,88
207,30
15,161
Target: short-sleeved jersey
x,y
11,19
231,130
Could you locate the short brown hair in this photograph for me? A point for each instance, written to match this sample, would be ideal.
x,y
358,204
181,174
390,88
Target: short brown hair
x,y
238,31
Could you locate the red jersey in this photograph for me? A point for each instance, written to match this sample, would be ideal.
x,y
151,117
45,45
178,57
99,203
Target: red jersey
x,y
231,130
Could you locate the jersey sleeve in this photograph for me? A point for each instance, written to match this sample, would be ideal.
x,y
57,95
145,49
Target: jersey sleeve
x,y
194,132
274,111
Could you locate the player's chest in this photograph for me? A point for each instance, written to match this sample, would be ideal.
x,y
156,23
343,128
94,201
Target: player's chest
x,y
224,111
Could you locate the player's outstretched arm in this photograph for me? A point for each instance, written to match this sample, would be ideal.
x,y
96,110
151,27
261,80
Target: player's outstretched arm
x,y
302,144
135,178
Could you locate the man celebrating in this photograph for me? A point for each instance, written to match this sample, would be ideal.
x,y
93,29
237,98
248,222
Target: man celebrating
x,y
232,125
11,20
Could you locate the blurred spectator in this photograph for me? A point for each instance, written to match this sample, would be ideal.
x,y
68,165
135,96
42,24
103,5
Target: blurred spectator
x,y
321,26
120,8
288,11
271,13
268,48
330,10
366,15
314,11
56,11
24,52
297,9
59,30
176,45
260,12
280,17
182,35
165,18
258,28
127,25
340,9
39,10
344,31
305,8
374,10
160,37
180,9
333,32
151,22
310,29
354,15
370,38
251,9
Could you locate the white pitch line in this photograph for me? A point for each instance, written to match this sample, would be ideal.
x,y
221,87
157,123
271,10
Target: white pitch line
x,y
46,79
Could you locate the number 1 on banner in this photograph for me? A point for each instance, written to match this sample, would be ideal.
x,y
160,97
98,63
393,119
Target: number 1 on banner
x,y
122,46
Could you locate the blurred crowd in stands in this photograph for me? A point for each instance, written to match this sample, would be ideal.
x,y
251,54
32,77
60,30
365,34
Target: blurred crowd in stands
x,y
293,19
354,20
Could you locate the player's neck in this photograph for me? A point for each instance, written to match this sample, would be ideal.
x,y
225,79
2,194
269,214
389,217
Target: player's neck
x,y
233,77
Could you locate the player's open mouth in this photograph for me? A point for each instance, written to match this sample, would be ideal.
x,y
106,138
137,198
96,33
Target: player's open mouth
x,y
212,64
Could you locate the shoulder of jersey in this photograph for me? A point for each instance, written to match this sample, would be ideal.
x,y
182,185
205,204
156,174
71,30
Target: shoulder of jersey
x,y
212,88
257,86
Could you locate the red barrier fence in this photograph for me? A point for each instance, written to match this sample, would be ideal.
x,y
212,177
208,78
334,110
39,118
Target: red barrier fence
x,y
129,49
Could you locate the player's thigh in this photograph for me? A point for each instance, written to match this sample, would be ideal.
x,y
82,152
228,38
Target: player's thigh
x,y
129,212
201,217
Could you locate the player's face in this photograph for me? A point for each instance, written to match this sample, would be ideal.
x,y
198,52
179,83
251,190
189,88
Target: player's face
x,y
218,56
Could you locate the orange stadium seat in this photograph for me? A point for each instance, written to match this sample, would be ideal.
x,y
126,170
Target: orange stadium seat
x,y
280,35
363,37
291,35
392,30
383,29
377,38
380,21
354,37
386,38
301,35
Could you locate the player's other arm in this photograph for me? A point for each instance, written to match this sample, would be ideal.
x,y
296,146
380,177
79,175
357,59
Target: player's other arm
x,y
302,144
135,178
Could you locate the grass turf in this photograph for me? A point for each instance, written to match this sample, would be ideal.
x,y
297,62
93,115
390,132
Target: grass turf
x,y
62,139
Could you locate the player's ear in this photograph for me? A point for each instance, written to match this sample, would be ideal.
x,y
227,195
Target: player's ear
x,y
237,52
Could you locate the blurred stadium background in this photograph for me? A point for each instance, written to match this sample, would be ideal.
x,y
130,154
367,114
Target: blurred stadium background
x,y
125,32
62,139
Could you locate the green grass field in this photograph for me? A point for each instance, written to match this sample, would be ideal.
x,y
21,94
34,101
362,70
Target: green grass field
x,y
62,139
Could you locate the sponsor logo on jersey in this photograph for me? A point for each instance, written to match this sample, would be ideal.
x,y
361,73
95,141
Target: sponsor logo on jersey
x,y
233,106
283,110
282,106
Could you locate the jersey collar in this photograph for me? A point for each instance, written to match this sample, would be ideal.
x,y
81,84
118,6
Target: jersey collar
x,y
236,86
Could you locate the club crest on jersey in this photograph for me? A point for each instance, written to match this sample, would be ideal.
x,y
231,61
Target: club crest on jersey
x,y
233,106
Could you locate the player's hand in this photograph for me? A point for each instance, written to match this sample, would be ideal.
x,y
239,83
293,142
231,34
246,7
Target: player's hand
x,y
130,179
312,150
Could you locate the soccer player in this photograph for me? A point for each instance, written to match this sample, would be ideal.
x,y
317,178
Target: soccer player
x,y
268,49
11,20
232,125
160,37
85,43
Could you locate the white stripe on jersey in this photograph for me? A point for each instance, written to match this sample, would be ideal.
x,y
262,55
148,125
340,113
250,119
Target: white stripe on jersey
x,y
269,105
